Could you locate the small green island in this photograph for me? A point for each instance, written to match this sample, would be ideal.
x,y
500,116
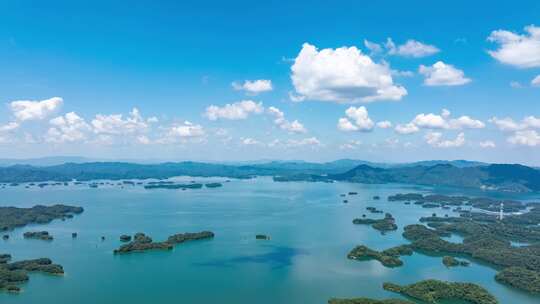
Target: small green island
x,y
174,186
388,257
450,261
368,301
373,209
38,235
141,242
388,223
213,185
16,273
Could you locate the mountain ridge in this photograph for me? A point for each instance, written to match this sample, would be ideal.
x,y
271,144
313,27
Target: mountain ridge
x,y
341,163
503,177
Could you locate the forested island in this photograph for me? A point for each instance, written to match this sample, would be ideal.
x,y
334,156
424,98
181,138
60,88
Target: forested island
x,y
14,273
39,235
521,278
213,185
450,261
368,301
174,186
388,223
388,257
429,291
488,239
432,291
12,217
141,242
483,203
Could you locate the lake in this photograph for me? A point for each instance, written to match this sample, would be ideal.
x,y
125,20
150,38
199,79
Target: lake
x,y
305,261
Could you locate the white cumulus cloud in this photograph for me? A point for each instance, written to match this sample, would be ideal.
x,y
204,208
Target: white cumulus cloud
x,y
345,124
188,129
385,124
443,121
408,128
144,140
508,124
67,128
235,111
10,126
536,81
279,119
295,143
411,48
375,48
309,141
532,122
529,138
178,133
522,51
465,122
442,74
350,145
429,121
253,87
295,126
434,139
357,120
116,124
35,110
487,144
250,142
342,75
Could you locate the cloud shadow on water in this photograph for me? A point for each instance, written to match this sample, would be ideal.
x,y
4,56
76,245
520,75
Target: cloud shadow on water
x,y
278,257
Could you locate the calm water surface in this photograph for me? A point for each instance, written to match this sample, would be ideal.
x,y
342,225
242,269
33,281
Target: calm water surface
x,y
304,262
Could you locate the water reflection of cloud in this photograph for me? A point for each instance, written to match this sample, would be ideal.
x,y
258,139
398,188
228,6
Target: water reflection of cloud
x,y
368,269
438,272
278,257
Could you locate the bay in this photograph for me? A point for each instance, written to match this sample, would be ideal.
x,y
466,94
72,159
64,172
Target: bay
x,y
305,260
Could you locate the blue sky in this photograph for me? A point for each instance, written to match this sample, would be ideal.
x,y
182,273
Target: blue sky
x,y
68,70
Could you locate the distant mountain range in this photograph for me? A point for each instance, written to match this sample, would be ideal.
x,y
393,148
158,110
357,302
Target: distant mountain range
x,y
44,161
341,164
502,177
460,173
60,160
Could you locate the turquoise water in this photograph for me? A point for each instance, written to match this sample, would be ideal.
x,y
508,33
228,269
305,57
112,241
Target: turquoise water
x,y
304,262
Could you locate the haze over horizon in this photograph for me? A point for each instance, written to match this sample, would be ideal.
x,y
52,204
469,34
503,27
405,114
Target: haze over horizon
x,y
241,81
59,160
